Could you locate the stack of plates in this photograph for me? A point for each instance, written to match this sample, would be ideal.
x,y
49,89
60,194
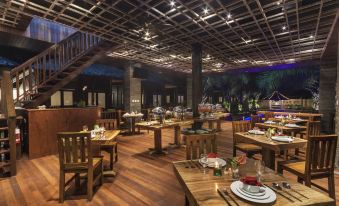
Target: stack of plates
x,y
282,138
269,122
211,162
256,132
266,195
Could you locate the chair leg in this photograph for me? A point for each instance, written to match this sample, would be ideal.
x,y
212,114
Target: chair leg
x,y
61,187
331,186
116,152
111,159
234,151
101,173
77,180
300,180
280,169
187,203
90,185
308,182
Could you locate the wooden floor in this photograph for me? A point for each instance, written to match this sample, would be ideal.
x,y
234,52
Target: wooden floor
x,y
142,179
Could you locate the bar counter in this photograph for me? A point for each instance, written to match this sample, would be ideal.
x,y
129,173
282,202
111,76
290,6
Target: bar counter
x,y
44,124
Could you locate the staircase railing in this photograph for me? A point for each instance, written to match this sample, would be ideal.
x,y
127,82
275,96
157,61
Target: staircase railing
x,y
28,77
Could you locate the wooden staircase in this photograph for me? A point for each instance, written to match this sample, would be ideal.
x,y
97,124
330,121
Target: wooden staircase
x,y
7,127
40,77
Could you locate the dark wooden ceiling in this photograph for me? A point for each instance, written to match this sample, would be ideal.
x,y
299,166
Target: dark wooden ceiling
x,y
234,33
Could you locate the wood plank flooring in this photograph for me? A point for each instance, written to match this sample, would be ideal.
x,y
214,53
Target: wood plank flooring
x,y
142,179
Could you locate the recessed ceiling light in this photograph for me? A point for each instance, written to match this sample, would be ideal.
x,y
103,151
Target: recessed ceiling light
x,y
311,36
278,3
172,3
206,10
284,28
229,15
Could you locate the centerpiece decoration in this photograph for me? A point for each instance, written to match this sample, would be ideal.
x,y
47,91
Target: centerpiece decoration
x,y
205,110
270,132
235,164
159,114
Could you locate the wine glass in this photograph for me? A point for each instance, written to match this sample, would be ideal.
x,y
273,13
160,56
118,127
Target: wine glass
x,y
85,128
203,160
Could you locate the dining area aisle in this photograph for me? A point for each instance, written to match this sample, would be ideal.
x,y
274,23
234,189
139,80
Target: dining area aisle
x,y
142,179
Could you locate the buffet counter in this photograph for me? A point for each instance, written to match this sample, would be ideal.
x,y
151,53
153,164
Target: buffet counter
x,y
44,124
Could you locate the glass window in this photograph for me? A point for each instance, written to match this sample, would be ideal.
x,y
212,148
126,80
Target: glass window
x,y
168,99
68,98
102,100
56,99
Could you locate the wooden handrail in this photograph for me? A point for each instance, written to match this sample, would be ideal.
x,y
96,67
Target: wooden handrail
x,y
28,77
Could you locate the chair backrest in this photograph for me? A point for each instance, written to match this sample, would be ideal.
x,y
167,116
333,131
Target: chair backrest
x,y
75,150
268,115
320,156
240,126
109,114
313,128
255,119
200,144
109,124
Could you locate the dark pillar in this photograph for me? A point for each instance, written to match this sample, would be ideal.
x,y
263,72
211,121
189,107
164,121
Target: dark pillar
x,y
196,78
132,90
189,92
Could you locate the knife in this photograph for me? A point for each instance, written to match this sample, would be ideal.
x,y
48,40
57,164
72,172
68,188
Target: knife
x,y
276,191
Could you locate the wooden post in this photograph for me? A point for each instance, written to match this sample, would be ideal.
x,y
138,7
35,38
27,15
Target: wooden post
x,y
196,77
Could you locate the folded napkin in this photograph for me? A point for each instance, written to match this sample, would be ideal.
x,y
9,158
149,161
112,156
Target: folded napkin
x,y
212,155
251,181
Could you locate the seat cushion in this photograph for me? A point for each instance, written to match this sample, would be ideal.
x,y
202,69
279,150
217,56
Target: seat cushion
x,y
297,168
248,147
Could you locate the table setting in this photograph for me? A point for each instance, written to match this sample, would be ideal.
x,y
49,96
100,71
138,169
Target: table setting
x,y
211,179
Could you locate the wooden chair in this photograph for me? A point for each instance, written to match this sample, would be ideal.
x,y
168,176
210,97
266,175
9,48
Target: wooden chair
x,y
249,149
320,158
112,147
268,115
312,129
75,156
255,119
200,144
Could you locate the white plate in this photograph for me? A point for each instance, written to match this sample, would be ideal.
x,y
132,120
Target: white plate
x,y
258,132
270,196
269,122
282,138
211,162
259,194
292,125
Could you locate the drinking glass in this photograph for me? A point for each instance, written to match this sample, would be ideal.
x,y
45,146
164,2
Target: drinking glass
x,y
260,169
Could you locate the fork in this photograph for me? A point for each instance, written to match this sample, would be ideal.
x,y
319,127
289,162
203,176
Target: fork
x,y
228,194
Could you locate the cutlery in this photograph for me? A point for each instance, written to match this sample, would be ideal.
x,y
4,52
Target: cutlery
x,y
223,195
288,186
281,194
228,194
278,187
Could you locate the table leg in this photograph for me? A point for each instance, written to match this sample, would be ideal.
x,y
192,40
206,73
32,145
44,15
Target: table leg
x,y
133,126
157,143
219,125
177,141
210,124
268,156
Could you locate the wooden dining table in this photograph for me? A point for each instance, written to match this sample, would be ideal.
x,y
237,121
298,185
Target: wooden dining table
x,y
97,141
201,188
215,120
157,128
269,147
285,129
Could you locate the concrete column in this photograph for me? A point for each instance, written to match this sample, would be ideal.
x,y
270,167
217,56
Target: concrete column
x,y
189,91
196,78
336,51
132,91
